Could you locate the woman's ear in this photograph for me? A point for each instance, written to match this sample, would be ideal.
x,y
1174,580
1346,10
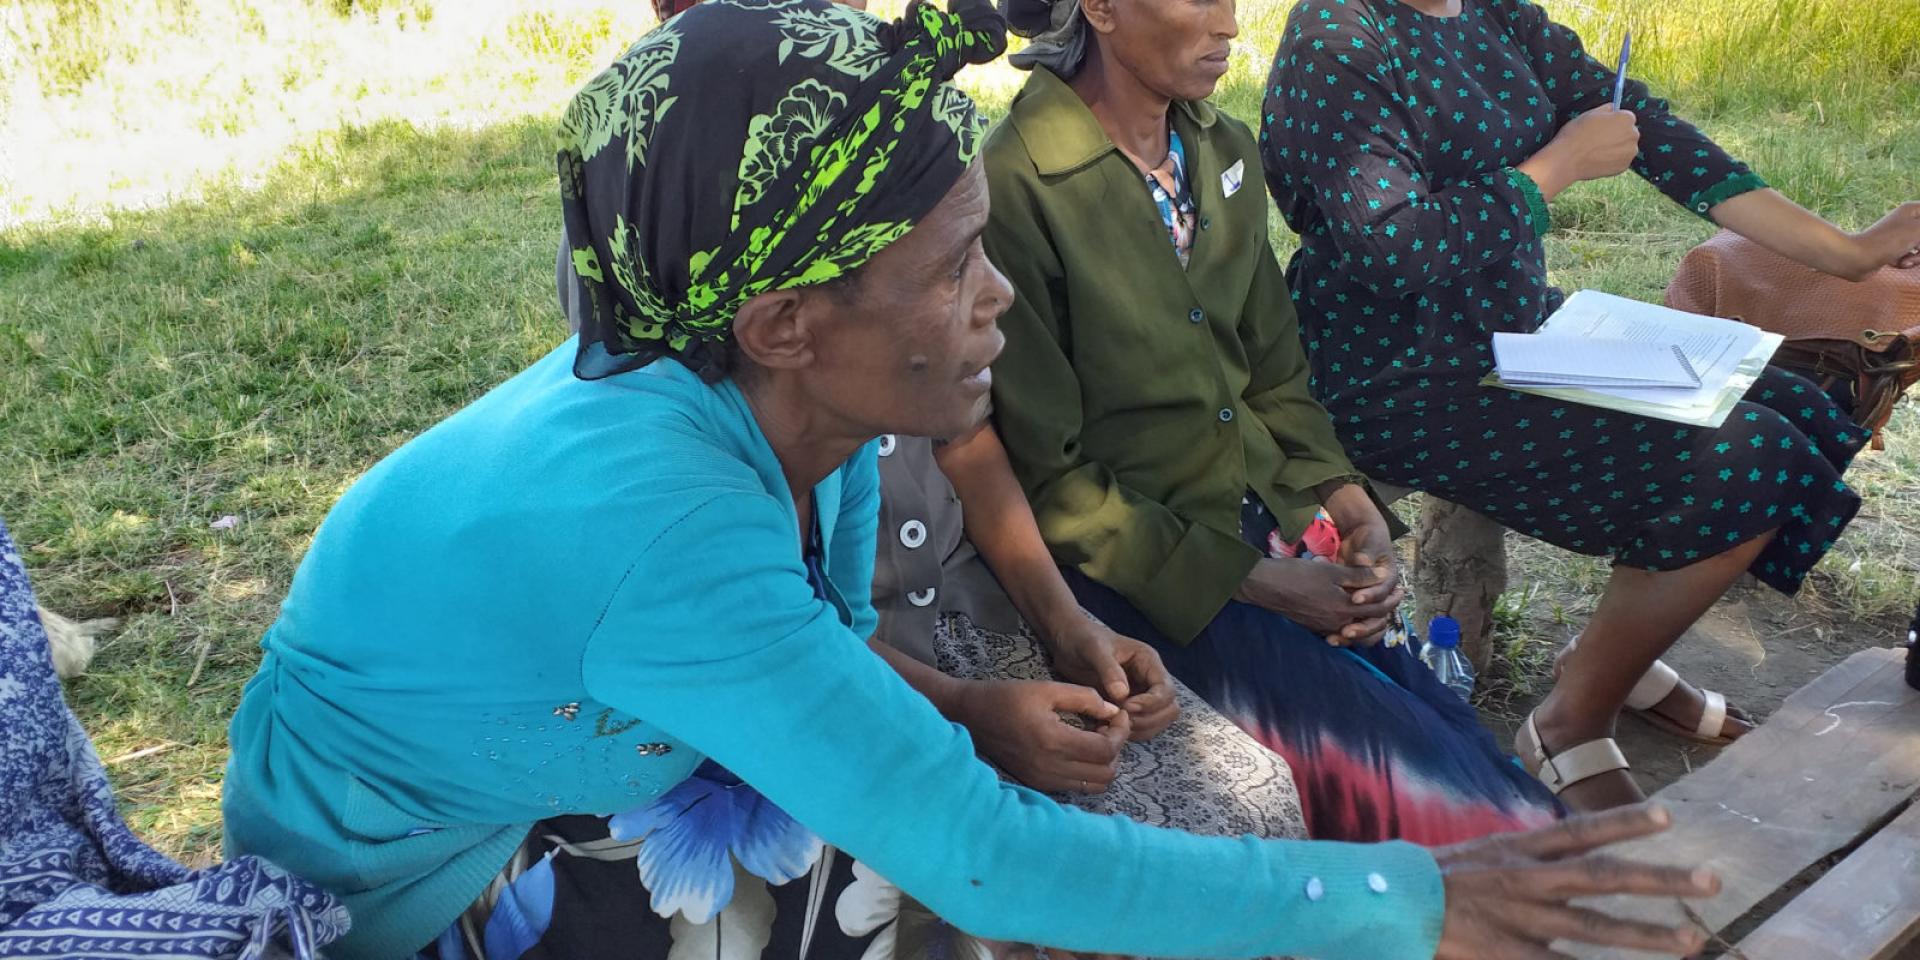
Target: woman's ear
x,y
1099,14
773,330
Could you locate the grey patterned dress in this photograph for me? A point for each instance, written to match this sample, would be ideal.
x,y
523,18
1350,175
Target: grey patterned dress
x,y
939,603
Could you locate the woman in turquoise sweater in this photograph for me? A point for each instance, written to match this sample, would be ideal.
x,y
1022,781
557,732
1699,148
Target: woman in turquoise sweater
x,y
634,580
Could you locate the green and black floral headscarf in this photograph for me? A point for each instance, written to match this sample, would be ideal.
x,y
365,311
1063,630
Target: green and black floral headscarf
x,y
754,145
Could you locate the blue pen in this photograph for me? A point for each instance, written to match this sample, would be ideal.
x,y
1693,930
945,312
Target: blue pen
x,y
1620,78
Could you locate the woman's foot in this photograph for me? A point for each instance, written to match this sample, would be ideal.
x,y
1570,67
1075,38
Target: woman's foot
x,y
1583,766
1682,708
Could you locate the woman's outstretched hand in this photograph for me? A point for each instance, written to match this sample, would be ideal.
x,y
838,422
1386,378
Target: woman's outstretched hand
x,y
1893,242
1771,220
1508,896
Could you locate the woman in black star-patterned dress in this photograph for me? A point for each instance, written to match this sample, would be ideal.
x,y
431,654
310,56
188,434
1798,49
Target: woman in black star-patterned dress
x,y
1415,146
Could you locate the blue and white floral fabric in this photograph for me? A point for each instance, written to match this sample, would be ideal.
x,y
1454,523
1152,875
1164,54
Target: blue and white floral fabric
x,y
1173,195
699,829
74,880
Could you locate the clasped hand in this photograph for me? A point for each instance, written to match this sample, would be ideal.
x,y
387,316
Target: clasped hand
x,y
1350,599
1119,690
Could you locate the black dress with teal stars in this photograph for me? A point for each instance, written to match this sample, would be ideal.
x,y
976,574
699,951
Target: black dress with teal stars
x,y
1389,139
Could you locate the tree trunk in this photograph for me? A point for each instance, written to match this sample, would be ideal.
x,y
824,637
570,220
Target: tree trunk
x,y
1459,570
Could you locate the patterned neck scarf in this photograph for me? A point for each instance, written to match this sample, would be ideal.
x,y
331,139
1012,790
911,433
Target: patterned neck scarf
x,y
754,145
1172,194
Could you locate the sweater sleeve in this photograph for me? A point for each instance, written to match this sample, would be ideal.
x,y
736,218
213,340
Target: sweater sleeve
x,y
1675,157
1091,521
1349,142
716,636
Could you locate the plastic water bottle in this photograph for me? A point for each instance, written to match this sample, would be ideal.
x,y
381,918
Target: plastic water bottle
x,y
1442,656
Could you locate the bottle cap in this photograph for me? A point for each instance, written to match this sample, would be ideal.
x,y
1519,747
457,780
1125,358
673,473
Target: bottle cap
x,y
1444,632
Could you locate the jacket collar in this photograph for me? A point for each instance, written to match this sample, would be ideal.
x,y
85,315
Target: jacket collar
x,y
1061,135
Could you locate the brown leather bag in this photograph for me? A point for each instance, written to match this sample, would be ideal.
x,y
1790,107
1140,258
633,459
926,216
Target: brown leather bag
x,y
1863,335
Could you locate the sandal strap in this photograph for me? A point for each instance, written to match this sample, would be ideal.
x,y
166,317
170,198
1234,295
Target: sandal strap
x,y
1574,764
1653,687
1713,719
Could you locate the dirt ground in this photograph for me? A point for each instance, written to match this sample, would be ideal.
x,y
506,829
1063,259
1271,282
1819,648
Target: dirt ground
x,y
1756,647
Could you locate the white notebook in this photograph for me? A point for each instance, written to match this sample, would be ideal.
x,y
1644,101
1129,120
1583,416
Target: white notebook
x,y
1623,351
1548,360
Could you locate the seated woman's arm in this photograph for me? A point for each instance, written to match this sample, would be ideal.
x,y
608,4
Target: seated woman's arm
x,y
1277,385
1000,525
1354,605
1686,165
1017,726
716,636
1768,218
1396,228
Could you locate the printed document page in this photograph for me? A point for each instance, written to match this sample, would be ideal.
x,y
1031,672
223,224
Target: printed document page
x,y
1713,347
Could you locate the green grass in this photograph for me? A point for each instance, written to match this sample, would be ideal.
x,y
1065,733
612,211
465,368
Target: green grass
x,y
383,251
248,356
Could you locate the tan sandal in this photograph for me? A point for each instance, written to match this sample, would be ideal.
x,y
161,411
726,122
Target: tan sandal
x,y
1570,766
1655,686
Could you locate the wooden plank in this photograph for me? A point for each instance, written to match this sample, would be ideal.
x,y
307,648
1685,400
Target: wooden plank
x,y
1837,758
1865,908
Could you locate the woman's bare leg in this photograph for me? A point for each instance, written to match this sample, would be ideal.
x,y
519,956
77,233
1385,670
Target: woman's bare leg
x,y
1642,613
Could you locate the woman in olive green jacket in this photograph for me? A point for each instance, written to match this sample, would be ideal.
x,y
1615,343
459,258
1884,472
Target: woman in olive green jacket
x,y
1153,397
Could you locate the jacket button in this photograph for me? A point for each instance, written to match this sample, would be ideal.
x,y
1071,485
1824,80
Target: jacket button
x,y
1198,315
921,598
1206,223
913,533
887,442
1226,414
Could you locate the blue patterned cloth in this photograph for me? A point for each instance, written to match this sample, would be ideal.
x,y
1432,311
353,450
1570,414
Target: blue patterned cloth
x,y
74,880
1176,204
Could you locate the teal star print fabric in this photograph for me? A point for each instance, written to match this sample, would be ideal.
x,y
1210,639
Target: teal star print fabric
x,y
1389,139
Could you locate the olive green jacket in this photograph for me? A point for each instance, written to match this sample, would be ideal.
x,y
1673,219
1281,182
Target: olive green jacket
x,y
1140,401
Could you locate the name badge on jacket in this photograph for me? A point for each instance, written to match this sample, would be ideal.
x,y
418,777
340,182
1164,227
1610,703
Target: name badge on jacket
x,y
1235,176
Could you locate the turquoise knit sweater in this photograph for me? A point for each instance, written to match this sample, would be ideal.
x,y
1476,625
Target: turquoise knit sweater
x,y
492,621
